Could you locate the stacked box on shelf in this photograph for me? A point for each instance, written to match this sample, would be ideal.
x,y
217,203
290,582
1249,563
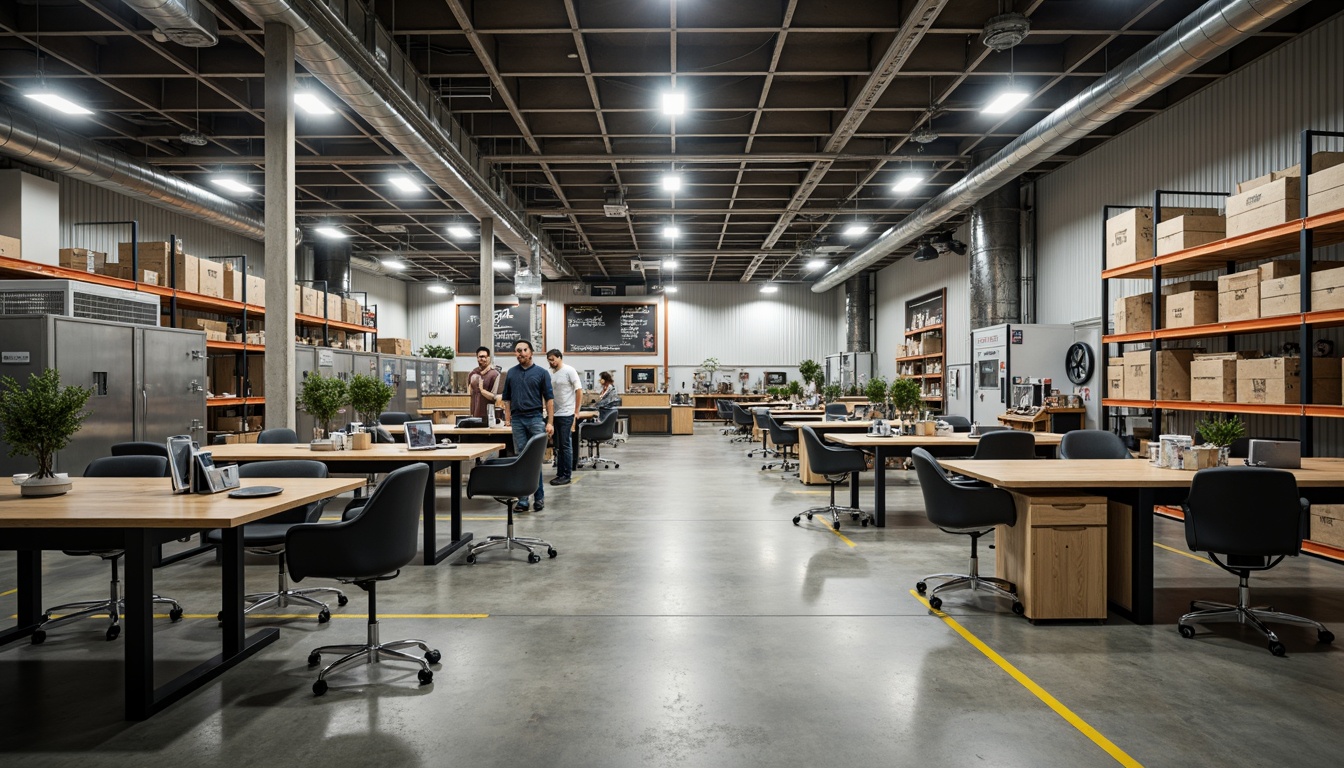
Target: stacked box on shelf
x,y
1115,378
256,291
335,306
351,312
155,257
1181,232
1281,286
1129,235
1188,303
1213,377
1239,296
1278,380
10,247
84,260
1274,198
1325,190
311,304
210,278
392,346
1173,374
1134,314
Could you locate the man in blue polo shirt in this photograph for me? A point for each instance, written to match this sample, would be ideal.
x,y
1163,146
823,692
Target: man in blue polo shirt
x,y
529,407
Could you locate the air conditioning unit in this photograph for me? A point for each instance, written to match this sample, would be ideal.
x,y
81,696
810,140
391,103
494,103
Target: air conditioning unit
x,y
73,298
615,207
608,290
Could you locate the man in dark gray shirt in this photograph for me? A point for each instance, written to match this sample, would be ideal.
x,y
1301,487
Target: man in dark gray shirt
x,y
529,407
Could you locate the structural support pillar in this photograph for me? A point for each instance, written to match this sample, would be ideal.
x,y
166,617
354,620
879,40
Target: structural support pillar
x,y
280,270
995,254
487,285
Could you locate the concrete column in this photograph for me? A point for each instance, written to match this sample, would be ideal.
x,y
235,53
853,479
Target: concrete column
x,y
487,285
280,270
995,266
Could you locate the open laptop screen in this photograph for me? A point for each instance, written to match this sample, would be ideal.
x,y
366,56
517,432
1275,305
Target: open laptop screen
x,y
420,435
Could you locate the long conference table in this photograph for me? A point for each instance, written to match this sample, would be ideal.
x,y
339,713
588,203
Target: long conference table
x,y
1132,488
138,515
384,457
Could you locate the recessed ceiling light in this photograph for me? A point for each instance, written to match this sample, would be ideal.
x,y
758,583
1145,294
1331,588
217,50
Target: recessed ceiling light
x,y
907,182
769,288
671,182
1005,102
855,229
669,289
233,185
816,264
503,265
571,55
674,103
670,264
311,104
394,264
59,103
671,231
438,288
459,231
331,232
405,184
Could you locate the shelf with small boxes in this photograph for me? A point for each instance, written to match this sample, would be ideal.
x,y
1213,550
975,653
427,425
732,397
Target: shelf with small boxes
x,y
921,357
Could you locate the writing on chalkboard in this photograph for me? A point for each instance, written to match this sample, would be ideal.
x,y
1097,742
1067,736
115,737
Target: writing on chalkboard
x,y
512,323
611,328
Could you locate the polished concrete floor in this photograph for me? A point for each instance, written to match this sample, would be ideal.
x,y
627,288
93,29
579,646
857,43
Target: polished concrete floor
x,y
687,622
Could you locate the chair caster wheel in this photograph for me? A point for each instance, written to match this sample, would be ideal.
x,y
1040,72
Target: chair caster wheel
x,y
433,656
471,559
219,617
921,587
552,552
39,636
616,466
426,677
809,516
319,687
796,518
314,659
864,522
1019,609
342,600
1325,636
835,526
764,466
935,603
1278,649
324,616
113,632
175,615
853,515
533,557
1186,630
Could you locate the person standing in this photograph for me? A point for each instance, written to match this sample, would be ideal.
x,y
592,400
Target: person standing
x,y
483,385
568,394
529,408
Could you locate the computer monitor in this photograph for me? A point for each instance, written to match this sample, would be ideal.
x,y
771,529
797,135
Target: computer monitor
x,y
420,435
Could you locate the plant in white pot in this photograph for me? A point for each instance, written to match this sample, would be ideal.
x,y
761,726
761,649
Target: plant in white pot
x,y
37,420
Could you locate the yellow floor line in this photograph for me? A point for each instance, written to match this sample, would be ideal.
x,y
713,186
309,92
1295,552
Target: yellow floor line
x,y
1184,554
10,592
1040,693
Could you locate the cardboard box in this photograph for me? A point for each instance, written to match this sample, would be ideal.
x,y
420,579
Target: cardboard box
x,y
1134,313
210,278
1213,380
84,260
202,324
335,307
388,346
1327,288
1327,525
147,276
232,283
154,257
1282,295
1319,162
1325,191
256,290
351,312
1129,235
1264,206
355,343
1173,374
1183,232
1278,380
932,344
9,247
310,302
1191,308
1115,381
1239,296
242,437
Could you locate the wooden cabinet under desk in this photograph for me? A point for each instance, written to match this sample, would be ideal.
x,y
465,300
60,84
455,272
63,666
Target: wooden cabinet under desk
x,y
1056,555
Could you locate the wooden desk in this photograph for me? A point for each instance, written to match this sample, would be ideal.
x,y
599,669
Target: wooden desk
x,y
1132,487
399,430
137,515
884,448
384,457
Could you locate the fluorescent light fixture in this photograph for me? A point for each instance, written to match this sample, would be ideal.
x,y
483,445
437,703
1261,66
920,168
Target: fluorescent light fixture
x,y
669,289
311,104
815,264
459,231
671,182
855,228
907,182
394,264
674,103
1005,102
671,231
503,265
405,184
233,185
58,103
331,232
670,263
438,288
769,288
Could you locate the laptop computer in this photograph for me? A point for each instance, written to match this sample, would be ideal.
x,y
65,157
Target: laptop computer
x,y
420,436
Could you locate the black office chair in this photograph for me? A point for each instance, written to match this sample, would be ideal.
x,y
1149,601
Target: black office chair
x,y
278,436
592,434
985,429
957,423
267,537
141,448
393,418
1092,444
470,422
725,412
759,417
784,438
744,421
836,412
835,463
1005,444
967,510
1253,518
108,466
509,480
371,546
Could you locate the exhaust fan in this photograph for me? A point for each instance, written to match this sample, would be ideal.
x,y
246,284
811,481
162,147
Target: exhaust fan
x,y
1004,32
194,138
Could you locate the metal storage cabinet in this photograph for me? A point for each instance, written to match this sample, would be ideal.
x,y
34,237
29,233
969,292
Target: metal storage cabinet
x,y
148,383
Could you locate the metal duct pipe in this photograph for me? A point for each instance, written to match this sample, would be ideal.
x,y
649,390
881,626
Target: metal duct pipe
x,y
358,66
1208,32
48,146
995,267
857,309
185,22
331,262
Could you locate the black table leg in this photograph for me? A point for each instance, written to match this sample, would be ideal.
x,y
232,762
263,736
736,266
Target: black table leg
x,y
29,596
433,554
232,589
1141,564
854,490
880,487
138,624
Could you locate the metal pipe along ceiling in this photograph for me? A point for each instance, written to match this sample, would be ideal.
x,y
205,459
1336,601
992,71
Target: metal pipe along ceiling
x,y
48,146
332,53
1208,32
185,22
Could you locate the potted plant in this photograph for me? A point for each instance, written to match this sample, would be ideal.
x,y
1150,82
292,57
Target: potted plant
x,y
369,396
794,389
876,392
831,392
37,420
437,351
906,395
323,397
1221,433
810,372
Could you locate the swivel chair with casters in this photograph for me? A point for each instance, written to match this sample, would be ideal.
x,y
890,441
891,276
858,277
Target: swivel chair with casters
x,y
744,421
835,463
970,511
277,436
836,412
509,480
724,409
372,546
393,418
1247,519
267,537
114,603
760,417
784,438
1092,444
593,434
985,429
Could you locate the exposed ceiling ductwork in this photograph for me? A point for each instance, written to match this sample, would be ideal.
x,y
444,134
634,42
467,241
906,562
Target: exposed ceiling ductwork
x,y
1209,31
357,66
185,22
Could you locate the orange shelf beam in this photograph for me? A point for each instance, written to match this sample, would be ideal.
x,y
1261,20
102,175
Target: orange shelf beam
x,y
917,357
228,402
1128,338
1258,325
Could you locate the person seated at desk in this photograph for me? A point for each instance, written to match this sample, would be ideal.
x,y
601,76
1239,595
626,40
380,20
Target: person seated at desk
x,y
609,399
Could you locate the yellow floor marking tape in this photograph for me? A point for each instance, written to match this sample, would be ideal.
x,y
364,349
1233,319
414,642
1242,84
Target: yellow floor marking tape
x,y
1040,693
1185,554
840,535
10,592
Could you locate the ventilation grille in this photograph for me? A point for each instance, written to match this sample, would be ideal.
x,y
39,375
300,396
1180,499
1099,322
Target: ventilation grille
x,y
32,302
65,298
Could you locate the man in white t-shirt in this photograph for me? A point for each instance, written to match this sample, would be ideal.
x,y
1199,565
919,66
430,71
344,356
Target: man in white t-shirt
x,y
568,394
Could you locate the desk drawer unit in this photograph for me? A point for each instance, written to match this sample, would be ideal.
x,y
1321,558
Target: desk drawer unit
x,y
1056,555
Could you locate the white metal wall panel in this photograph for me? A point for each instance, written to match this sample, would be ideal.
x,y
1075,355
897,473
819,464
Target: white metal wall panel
x,y
389,294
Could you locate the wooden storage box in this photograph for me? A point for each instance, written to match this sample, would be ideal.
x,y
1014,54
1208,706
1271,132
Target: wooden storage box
x,y
242,437
335,307
1282,295
390,346
1213,379
1325,191
256,290
1191,308
1173,375
1115,381
1056,555
1134,314
1183,232
1278,380
351,311
1129,235
154,257
84,260
1327,525
1239,296
1263,206
232,283
210,278
10,247
1319,162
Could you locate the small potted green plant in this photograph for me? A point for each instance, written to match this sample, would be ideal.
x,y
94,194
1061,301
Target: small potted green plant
x,y
906,395
323,397
437,351
876,392
810,372
1221,432
831,392
369,396
37,420
794,389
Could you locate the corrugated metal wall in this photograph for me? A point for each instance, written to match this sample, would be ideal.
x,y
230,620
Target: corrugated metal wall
x,y
909,279
390,295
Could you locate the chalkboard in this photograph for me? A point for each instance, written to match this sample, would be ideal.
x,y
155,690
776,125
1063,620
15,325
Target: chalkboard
x,y
623,329
512,322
